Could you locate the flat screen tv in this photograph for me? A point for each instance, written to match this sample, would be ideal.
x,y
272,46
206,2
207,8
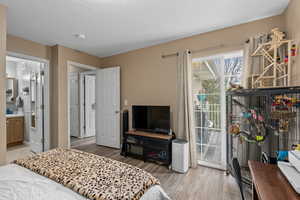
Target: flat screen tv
x,y
151,118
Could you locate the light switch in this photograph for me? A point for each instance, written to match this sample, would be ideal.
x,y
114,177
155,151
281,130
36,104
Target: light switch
x,y
125,102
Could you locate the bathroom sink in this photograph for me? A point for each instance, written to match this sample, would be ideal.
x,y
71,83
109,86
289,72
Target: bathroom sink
x,y
15,115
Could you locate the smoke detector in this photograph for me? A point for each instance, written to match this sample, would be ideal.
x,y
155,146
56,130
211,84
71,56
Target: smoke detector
x,y
79,36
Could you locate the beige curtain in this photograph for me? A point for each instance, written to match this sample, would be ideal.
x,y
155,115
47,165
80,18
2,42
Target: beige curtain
x,y
185,115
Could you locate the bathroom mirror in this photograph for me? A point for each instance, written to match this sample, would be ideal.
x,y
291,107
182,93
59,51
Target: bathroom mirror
x,y
11,90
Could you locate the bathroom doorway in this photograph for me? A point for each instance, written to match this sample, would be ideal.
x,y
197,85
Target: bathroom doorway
x,y
27,105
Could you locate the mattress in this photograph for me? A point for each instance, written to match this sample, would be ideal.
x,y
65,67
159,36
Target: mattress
x,y
291,174
294,159
18,183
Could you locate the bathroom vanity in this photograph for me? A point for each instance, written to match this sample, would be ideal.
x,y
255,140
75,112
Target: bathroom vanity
x,y
14,129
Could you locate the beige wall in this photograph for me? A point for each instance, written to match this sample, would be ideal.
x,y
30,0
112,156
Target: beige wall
x,y
2,84
54,106
146,78
27,47
292,22
59,107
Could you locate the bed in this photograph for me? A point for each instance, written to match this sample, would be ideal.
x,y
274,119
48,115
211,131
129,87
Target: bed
x,y
43,177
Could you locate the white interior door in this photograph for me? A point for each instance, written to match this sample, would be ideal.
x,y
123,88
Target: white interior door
x,y
74,104
108,107
90,101
82,104
36,114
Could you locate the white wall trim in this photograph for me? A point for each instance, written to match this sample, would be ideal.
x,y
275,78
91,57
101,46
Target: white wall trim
x,y
26,57
47,93
84,66
92,72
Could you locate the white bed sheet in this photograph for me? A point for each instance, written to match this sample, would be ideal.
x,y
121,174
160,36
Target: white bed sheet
x,y
18,183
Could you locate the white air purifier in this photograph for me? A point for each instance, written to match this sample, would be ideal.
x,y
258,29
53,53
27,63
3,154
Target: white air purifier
x,y
180,156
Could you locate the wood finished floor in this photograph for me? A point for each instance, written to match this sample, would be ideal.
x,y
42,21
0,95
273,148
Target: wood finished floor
x,y
198,184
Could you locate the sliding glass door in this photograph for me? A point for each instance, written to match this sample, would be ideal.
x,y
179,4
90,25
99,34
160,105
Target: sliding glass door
x,y
210,80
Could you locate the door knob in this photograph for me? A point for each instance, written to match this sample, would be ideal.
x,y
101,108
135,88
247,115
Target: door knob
x,y
117,111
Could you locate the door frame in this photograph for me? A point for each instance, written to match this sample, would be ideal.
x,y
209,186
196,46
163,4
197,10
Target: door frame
x,y
46,114
223,165
224,148
84,66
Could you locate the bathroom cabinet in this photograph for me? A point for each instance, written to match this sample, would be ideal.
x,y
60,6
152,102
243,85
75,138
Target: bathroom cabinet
x,y
15,130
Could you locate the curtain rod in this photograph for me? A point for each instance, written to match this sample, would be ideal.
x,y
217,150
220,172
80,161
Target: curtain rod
x,y
200,50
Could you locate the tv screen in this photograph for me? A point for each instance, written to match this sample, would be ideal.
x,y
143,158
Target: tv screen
x,y
151,118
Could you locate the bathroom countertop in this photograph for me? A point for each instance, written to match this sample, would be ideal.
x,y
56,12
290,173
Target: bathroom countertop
x,y
15,115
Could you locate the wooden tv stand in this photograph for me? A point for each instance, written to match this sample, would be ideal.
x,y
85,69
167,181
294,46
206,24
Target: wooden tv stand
x,y
154,146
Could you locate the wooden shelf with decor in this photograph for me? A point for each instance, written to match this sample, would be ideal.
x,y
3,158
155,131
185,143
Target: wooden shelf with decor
x,y
275,69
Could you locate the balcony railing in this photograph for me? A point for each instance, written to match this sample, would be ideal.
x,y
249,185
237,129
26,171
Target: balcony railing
x,y
208,116
208,127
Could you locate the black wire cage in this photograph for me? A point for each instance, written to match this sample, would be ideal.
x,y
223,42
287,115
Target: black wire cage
x,y
262,122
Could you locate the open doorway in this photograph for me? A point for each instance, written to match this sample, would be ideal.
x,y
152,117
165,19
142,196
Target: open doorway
x,y
81,104
86,86
27,106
